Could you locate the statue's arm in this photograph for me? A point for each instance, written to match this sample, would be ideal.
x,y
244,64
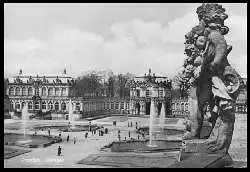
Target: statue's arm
x,y
220,46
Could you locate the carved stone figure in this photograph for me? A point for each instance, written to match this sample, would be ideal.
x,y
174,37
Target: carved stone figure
x,y
212,83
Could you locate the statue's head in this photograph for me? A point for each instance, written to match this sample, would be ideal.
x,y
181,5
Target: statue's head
x,y
213,16
211,13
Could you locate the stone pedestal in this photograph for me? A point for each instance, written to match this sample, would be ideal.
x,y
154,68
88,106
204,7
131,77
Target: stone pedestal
x,y
194,154
195,146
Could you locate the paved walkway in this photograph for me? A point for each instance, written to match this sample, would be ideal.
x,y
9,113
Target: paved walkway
x,y
73,153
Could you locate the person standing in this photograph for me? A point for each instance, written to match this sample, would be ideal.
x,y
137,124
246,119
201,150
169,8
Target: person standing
x,y
74,140
89,125
59,151
129,134
49,131
68,138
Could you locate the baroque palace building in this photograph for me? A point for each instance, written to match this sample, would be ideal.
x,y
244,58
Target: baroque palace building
x,y
149,89
50,95
40,93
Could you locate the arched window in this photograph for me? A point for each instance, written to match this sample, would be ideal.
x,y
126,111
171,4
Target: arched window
x,y
56,106
18,91
23,104
37,105
57,92
186,107
63,91
11,106
17,105
30,91
177,106
117,105
122,105
30,105
138,93
63,106
11,91
50,106
36,91
43,105
112,105
127,105
173,106
50,91
78,106
44,91
182,107
23,91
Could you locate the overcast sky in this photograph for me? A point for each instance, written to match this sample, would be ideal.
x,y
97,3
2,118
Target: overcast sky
x,y
46,38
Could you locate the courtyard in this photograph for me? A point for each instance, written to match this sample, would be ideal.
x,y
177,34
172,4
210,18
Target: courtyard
x,y
72,153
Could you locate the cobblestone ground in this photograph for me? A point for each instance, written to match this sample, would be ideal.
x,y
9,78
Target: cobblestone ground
x,y
72,153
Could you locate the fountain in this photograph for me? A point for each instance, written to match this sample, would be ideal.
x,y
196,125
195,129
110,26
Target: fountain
x,y
162,116
71,118
25,117
151,124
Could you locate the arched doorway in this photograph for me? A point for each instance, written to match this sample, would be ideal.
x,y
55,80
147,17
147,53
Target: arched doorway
x,y
137,108
159,105
148,104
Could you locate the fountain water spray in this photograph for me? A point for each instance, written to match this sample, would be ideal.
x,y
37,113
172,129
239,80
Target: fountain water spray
x,y
151,124
162,116
25,117
71,118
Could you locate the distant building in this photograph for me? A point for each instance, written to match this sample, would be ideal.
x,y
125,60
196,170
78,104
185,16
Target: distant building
x,y
41,93
150,88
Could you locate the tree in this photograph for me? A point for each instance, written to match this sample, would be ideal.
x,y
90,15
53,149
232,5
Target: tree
x,y
87,85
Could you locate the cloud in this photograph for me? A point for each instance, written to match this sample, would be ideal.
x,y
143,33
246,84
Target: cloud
x,y
237,28
176,30
21,47
135,46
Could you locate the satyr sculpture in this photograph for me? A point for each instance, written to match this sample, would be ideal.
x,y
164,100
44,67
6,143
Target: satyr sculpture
x,y
212,83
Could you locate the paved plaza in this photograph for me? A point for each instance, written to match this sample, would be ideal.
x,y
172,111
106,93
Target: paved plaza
x,y
87,147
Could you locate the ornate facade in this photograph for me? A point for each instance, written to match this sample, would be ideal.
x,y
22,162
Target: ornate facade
x,y
40,93
148,88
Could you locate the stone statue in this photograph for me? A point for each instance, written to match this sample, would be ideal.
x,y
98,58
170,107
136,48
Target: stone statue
x,y
212,83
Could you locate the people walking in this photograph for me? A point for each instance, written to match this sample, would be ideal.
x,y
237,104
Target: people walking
x,y
49,131
74,140
68,138
129,134
86,135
